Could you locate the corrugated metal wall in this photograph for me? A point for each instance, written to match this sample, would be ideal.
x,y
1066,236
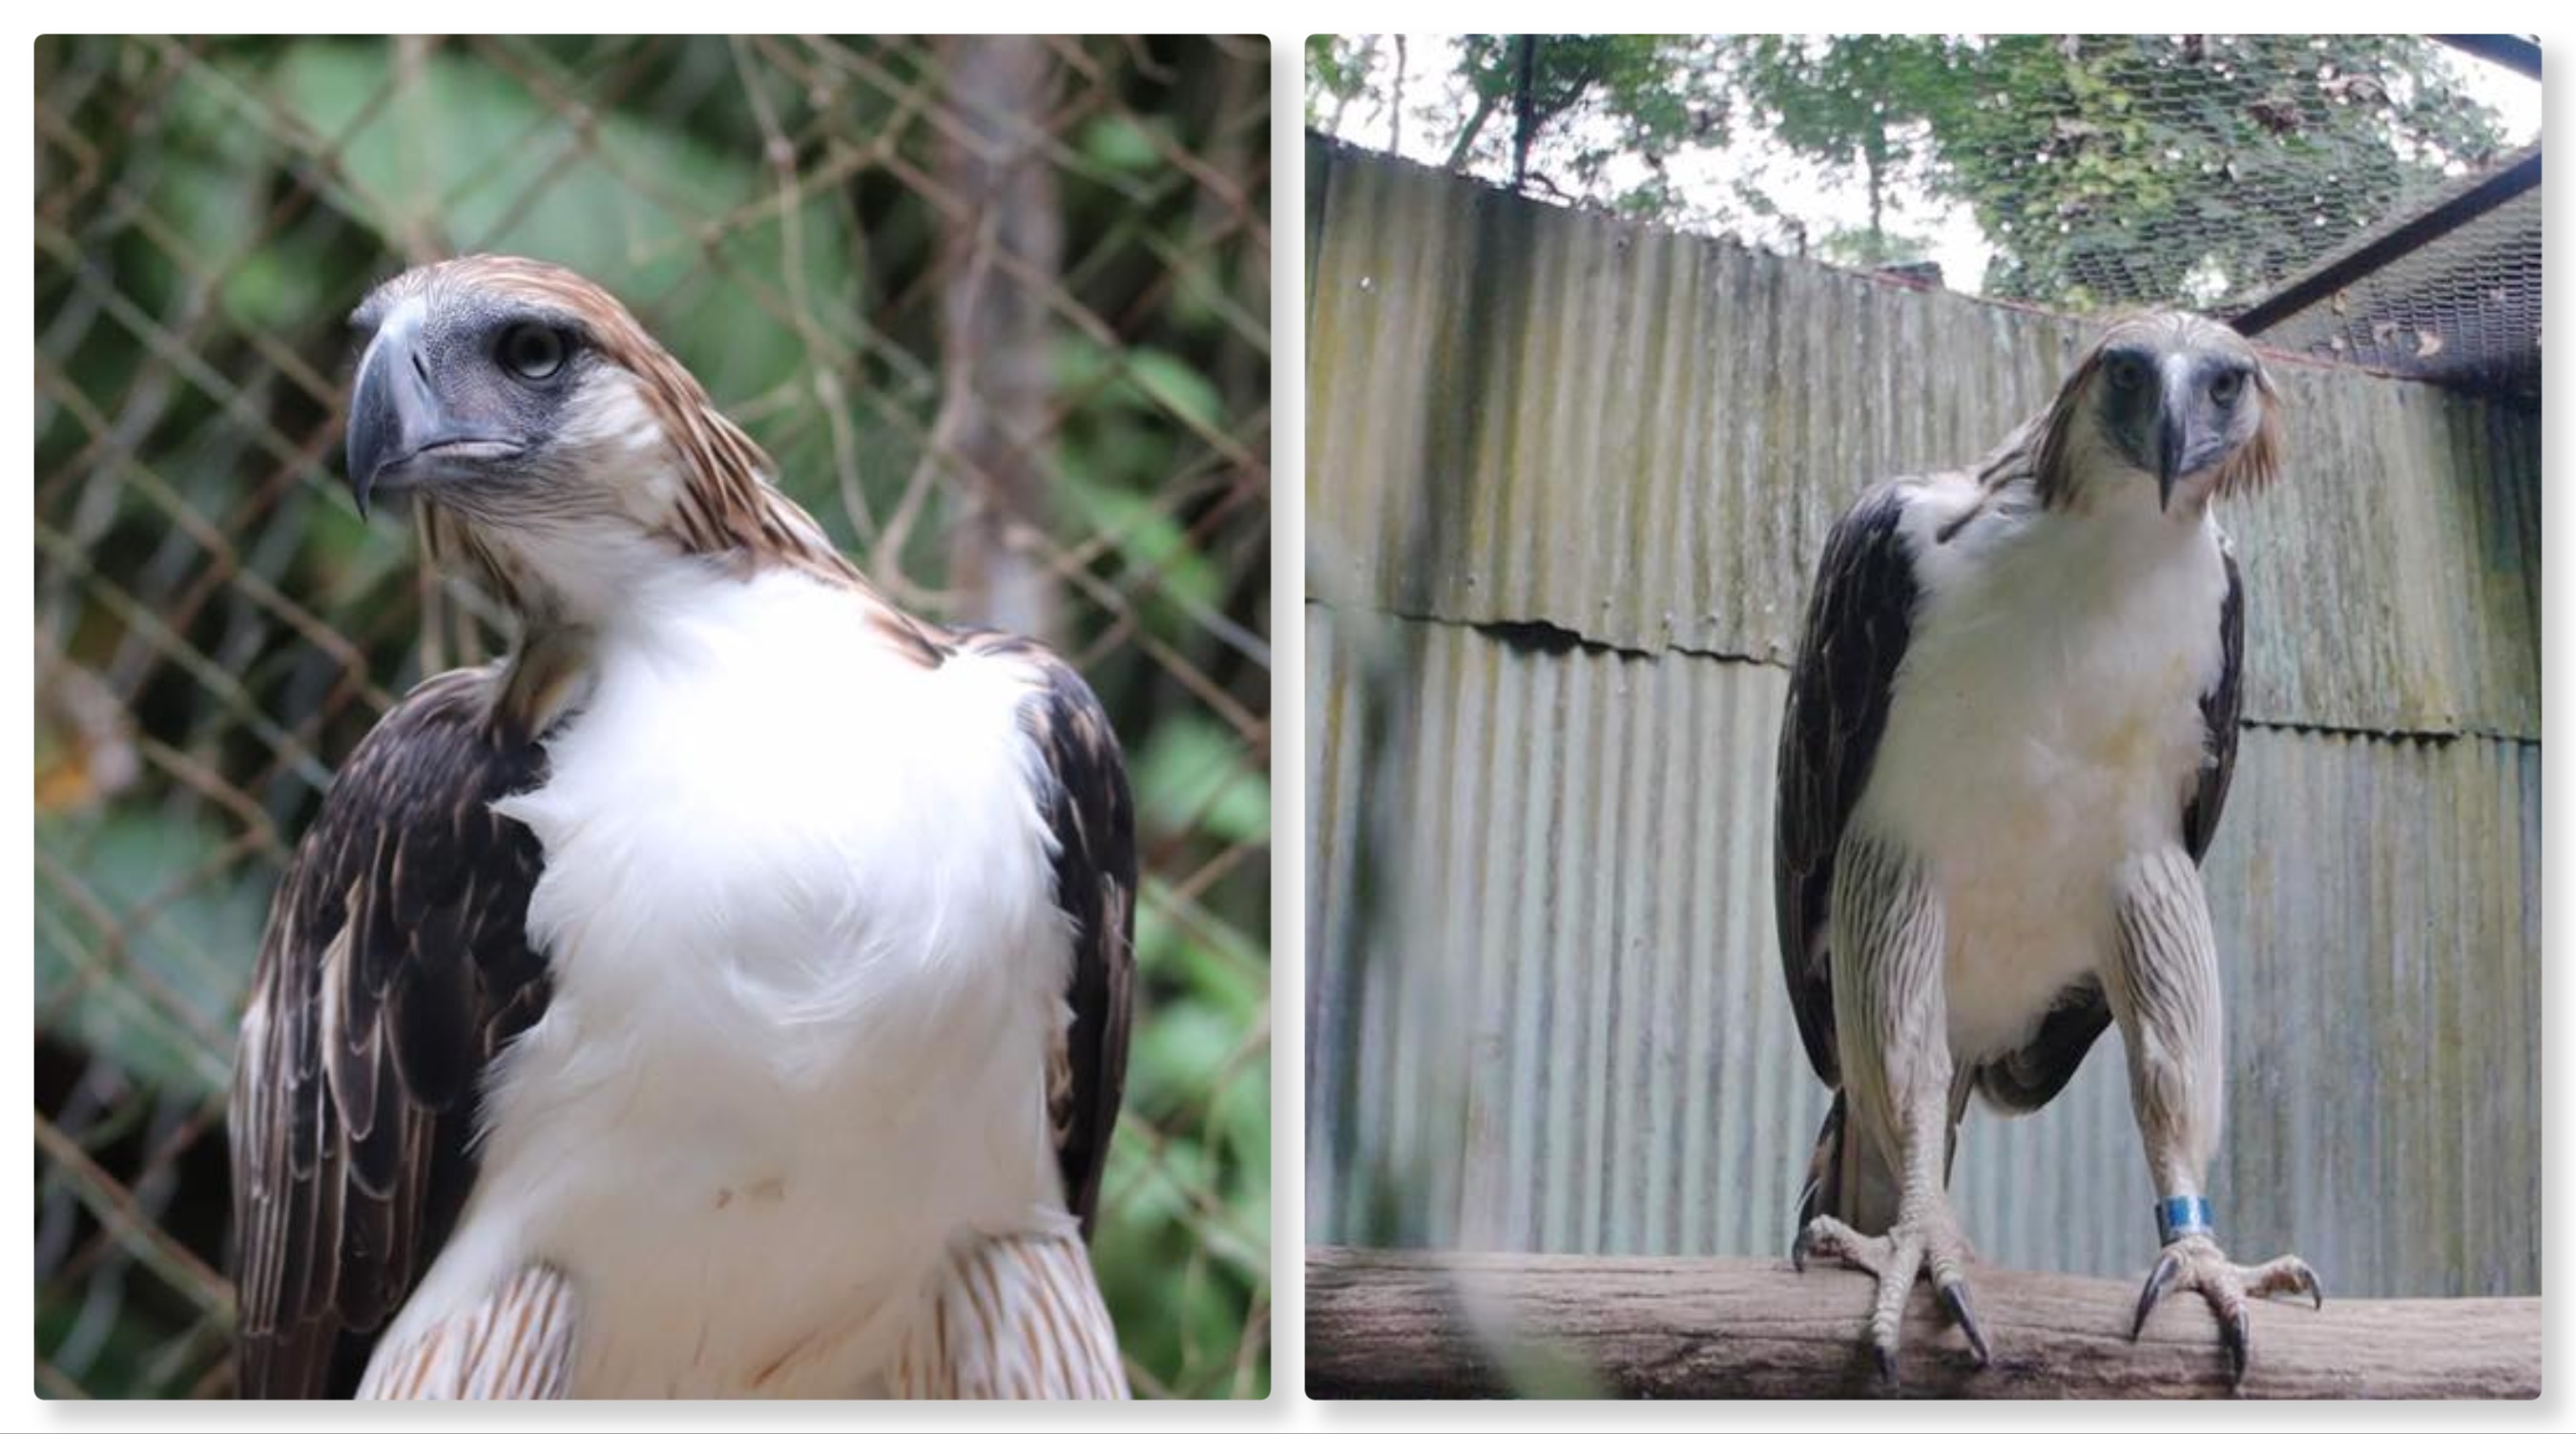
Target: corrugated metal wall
x,y
1565,480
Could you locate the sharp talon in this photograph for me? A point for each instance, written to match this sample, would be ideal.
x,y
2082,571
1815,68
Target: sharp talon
x,y
2235,1332
1924,1245
1954,1296
2157,1282
2316,1291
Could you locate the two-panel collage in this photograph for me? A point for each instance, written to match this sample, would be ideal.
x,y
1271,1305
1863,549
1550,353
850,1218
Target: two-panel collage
x,y
1681,717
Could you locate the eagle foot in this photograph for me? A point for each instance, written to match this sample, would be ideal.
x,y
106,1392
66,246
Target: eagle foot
x,y
2195,1262
1920,1244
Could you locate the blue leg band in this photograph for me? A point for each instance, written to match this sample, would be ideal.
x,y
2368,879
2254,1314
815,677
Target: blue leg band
x,y
2181,1215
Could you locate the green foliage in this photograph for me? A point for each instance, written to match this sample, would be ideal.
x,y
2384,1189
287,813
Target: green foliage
x,y
2116,169
1870,248
2103,169
467,153
160,986
1591,99
1647,95
1852,101
1336,70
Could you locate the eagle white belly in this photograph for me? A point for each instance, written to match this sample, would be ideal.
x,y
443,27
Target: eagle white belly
x,y
798,906
2045,729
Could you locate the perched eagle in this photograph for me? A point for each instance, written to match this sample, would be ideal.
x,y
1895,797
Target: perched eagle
x,y
2008,739
726,994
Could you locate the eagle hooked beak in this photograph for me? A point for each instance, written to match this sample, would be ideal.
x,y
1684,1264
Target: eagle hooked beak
x,y
2173,435
399,425
2183,436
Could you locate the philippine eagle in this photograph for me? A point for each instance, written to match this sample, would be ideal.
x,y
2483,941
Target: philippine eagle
x,y
2009,735
724,994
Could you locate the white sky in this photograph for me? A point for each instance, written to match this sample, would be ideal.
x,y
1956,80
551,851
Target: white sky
x,y
1821,199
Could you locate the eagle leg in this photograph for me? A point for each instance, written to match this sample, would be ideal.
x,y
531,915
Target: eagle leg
x,y
2164,993
1891,1019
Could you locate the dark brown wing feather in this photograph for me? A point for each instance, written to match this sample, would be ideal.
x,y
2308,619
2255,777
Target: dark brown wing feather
x,y
1858,625
2033,1075
1093,820
395,966
2221,707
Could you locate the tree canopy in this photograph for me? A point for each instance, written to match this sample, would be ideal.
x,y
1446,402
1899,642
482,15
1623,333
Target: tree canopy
x,y
2101,169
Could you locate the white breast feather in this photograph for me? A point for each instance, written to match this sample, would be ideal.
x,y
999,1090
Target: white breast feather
x,y
2045,728
798,905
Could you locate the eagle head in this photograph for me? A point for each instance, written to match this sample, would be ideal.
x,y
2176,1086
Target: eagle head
x,y
2168,397
555,449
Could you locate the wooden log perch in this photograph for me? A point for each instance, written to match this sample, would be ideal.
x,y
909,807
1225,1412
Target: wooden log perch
x,y
1386,1324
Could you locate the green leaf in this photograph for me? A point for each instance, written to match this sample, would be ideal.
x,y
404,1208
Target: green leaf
x,y
1196,775
1121,142
155,992
678,227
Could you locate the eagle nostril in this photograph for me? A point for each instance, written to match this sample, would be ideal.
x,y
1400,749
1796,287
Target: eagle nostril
x,y
420,365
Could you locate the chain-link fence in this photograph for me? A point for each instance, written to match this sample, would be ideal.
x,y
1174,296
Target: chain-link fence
x,y
999,309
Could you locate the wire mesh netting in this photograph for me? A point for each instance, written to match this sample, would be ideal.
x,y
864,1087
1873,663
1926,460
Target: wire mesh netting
x,y
2078,172
998,308
2449,292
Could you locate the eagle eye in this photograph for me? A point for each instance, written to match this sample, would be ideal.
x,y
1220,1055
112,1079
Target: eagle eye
x,y
2227,386
2125,372
533,351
